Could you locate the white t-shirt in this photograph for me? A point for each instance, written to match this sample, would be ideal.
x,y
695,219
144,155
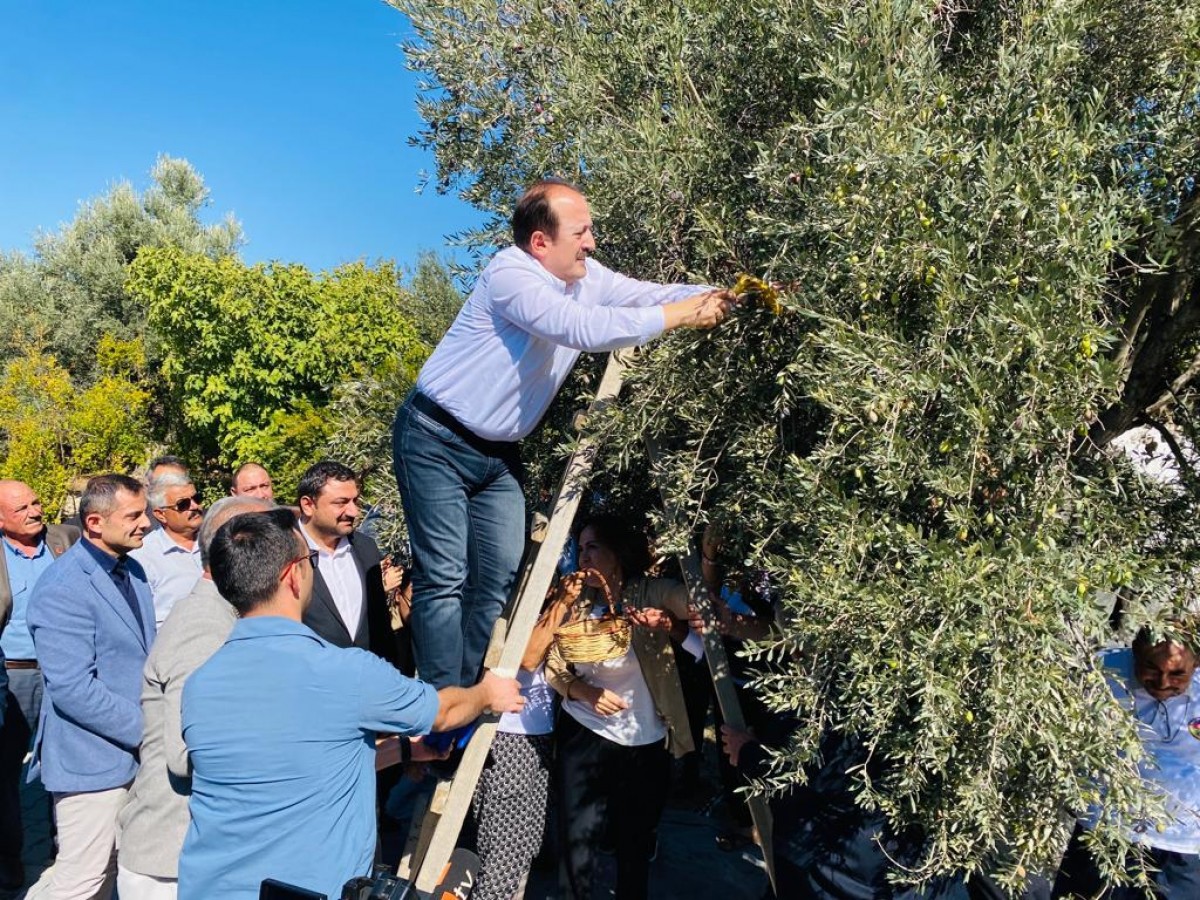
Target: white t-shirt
x,y
636,726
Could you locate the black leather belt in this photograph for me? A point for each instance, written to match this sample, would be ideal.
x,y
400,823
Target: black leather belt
x,y
425,406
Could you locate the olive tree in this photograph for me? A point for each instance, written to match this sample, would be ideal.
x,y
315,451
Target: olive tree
x,y
983,219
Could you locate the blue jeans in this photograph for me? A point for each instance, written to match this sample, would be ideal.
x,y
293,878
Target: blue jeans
x,y
466,522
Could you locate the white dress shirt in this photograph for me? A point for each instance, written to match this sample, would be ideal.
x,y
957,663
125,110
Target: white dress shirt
x,y
341,575
520,332
171,570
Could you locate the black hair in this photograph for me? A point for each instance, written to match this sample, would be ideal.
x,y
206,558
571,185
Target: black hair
x,y
316,476
533,212
1175,632
630,546
249,553
100,495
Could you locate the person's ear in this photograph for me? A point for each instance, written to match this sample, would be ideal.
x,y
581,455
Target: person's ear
x,y
291,580
160,515
308,506
539,243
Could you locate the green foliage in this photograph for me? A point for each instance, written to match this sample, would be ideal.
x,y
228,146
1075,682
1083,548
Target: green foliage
x,y
431,301
985,223
363,409
72,290
251,354
53,433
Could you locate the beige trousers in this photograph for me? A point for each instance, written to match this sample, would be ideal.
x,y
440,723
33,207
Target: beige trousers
x,y
86,866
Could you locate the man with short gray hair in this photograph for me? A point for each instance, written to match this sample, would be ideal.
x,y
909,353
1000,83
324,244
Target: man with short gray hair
x,y
170,554
154,821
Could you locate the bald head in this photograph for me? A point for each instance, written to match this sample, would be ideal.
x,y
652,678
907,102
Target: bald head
x,y
220,513
20,513
252,480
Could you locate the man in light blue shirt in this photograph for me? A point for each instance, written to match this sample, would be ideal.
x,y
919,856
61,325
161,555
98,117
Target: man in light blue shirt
x,y
535,308
170,554
280,728
1159,683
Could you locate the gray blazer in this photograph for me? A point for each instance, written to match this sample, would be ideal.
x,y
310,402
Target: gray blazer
x,y
58,539
154,821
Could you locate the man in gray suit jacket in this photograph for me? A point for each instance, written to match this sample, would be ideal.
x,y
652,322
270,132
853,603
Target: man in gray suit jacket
x,y
155,820
29,549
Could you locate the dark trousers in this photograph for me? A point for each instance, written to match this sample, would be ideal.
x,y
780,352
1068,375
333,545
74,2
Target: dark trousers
x,y
23,706
1177,875
603,783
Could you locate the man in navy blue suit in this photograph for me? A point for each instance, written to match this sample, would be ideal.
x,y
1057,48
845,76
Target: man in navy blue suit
x,y
92,621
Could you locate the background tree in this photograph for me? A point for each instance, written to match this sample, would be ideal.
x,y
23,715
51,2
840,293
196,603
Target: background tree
x,y
251,355
984,218
51,432
363,409
71,291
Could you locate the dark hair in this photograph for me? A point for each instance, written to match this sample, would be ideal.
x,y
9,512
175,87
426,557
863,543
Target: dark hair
x,y
1180,632
249,553
533,212
630,546
100,495
314,479
167,459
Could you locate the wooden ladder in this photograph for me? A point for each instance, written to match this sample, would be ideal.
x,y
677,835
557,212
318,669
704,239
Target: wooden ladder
x,y
442,824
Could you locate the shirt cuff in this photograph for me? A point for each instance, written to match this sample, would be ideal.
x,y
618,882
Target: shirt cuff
x,y
694,645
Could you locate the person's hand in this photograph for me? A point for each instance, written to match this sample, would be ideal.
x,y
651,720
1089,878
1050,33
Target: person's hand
x,y
702,311
603,702
654,619
422,752
393,576
697,623
503,694
733,740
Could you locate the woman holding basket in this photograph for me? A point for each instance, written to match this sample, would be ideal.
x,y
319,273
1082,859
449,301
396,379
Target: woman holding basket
x,y
623,713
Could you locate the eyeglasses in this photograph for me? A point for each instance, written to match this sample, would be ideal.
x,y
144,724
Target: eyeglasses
x,y
183,504
312,556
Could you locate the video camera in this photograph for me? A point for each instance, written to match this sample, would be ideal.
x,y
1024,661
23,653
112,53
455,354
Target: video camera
x,y
384,884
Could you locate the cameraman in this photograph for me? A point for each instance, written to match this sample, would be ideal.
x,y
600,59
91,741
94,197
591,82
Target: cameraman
x,y
280,726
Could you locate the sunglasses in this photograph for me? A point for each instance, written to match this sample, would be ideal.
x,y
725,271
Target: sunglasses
x,y
183,504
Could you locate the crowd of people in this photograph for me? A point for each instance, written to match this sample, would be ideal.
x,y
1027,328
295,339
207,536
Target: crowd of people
x,y
202,691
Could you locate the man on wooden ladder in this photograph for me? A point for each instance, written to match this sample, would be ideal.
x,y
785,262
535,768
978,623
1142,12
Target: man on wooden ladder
x,y
535,308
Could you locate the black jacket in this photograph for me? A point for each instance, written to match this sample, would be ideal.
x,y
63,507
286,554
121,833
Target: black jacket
x,y
374,631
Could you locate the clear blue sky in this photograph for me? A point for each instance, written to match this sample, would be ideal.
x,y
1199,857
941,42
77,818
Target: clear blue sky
x,y
296,113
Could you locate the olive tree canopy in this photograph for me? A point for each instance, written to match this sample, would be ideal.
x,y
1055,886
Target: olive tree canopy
x,y
986,224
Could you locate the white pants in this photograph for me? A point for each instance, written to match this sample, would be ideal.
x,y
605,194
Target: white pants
x,y
86,866
136,886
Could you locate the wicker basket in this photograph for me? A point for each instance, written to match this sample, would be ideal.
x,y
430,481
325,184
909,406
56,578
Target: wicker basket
x,y
591,640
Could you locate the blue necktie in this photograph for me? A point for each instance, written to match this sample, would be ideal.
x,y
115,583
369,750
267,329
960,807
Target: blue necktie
x,y
120,577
